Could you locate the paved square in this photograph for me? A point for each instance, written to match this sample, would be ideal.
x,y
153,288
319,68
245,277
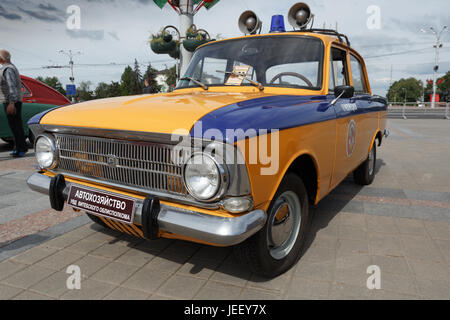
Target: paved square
x,y
401,223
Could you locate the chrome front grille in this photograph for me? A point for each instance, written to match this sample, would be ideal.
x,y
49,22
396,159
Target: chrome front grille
x,y
143,165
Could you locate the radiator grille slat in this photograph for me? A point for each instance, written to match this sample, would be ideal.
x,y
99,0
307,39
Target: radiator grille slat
x,y
143,165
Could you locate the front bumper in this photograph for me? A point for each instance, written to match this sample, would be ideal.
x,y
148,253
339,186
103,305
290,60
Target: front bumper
x,y
207,228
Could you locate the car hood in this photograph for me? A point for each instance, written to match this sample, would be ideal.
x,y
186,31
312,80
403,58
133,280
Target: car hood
x,y
162,113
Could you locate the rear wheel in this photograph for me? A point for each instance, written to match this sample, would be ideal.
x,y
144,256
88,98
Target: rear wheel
x,y
365,173
277,247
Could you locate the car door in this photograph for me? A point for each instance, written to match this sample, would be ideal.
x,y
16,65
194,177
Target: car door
x,y
346,122
367,117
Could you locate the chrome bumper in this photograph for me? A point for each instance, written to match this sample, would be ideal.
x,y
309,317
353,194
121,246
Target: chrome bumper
x,y
208,228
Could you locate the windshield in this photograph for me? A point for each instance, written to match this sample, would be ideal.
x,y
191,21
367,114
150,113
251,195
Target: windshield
x,y
277,61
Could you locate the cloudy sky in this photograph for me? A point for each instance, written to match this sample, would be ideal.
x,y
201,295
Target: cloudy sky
x,y
115,32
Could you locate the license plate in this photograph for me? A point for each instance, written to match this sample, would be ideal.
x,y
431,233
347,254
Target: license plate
x,y
102,203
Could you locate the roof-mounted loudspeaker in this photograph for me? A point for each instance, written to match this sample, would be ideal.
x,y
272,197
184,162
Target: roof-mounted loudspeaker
x,y
300,16
249,23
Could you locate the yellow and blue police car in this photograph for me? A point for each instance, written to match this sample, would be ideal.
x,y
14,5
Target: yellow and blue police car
x,y
259,129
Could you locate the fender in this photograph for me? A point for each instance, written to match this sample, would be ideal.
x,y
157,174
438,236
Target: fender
x,y
375,136
283,172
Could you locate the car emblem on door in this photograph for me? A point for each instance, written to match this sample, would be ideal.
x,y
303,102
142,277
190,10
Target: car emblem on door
x,y
351,137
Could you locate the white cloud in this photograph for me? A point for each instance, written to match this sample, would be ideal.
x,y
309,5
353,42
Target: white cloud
x,y
123,29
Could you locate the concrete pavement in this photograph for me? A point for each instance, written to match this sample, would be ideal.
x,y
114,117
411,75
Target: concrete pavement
x,y
401,223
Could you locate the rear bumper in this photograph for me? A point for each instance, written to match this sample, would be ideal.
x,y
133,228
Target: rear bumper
x,y
192,224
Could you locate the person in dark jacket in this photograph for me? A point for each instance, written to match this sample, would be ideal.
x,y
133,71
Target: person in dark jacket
x,y
147,87
11,97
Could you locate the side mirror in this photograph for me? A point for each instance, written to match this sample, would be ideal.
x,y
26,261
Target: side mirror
x,y
345,92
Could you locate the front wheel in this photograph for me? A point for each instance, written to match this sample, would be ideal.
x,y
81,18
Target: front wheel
x,y
278,245
365,173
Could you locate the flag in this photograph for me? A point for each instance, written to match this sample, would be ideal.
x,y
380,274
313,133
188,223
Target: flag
x,y
209,5
160,3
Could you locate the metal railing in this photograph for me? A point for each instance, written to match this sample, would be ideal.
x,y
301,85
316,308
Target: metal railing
x,y
418,110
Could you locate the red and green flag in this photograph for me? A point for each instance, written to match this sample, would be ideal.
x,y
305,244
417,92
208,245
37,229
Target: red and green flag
x,y
160,3
211,3
208,3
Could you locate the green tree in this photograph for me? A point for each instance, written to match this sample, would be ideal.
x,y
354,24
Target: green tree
x,y
126,81
131,81
114,89
138,81
413,88
171,75
105,90
442,88
444,83
84,92
53,82
102,91
150,76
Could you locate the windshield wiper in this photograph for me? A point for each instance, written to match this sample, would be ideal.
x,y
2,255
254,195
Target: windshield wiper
x,y
255,83
201,84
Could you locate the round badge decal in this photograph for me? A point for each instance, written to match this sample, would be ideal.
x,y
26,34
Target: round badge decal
x,y
351,137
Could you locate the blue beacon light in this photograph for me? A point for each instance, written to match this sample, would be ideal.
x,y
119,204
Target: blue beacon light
x,y
277,24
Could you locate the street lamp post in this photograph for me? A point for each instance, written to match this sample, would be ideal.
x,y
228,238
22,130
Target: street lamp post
x,y
437,46
404,106
186,20
404,89
71,54
423,93
186,9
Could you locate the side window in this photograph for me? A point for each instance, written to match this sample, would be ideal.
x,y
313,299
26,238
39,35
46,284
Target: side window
x,y
357,75
338,68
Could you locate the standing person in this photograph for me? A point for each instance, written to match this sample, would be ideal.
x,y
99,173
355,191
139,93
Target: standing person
x,y
147,87
11,97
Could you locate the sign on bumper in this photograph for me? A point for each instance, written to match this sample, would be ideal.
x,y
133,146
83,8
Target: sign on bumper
x,y
102,203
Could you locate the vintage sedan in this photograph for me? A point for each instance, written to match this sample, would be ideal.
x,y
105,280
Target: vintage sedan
x,y
37,97
259,129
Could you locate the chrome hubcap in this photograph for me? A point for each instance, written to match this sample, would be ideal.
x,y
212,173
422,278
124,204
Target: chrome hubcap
x,y
371,161
283,225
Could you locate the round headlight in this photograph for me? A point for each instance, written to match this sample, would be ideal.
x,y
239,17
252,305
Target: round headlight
x,y
45,152
202,177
